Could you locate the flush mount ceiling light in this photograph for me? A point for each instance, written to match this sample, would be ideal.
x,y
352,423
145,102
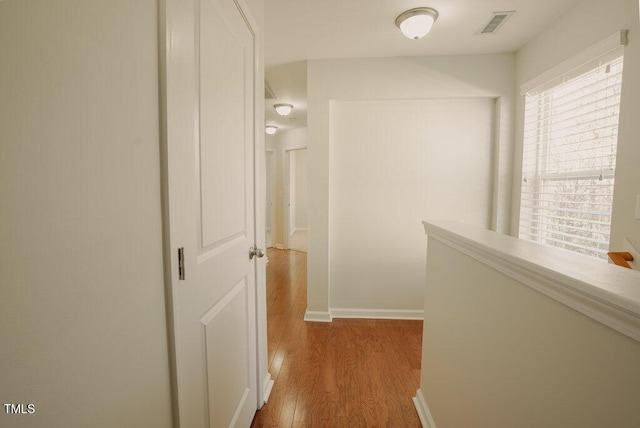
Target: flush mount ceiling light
x,y
416,23
283,109
271,129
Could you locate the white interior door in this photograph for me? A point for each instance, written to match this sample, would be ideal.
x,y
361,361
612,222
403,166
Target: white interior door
x,y
210,163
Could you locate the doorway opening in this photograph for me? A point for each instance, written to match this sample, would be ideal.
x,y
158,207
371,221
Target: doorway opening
x,y
296,199
270,215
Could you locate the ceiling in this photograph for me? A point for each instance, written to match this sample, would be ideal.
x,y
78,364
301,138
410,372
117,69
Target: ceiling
x,y
289,84
296,30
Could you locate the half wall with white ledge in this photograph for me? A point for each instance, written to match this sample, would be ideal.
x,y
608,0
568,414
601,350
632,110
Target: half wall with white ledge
x,y
521,335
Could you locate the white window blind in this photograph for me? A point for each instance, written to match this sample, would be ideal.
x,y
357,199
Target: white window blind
x,y
569,157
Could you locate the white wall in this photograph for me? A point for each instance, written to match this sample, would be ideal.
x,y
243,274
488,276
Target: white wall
x,y
300,179
585,25
392,165
82,311
270,141
484,76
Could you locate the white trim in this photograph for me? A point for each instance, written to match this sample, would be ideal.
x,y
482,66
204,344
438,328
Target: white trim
x,y
298,229
385,314
317,316
259,235
268,386
423,410
619,38
279,246
606,293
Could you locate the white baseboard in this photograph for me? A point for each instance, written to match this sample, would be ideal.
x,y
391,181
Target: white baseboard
x,y
279,246
423,410
268,386
317,316
382,314
386,314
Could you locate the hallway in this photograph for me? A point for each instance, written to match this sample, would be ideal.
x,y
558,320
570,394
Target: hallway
x,y
347,373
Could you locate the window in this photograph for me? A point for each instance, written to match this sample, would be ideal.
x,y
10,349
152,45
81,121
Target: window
x,y
569,157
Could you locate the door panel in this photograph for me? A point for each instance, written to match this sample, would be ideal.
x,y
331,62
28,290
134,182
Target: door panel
x,y
222,121
227,347
210,163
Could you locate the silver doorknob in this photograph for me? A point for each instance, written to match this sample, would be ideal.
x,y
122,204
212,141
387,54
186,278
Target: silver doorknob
x,y
255,251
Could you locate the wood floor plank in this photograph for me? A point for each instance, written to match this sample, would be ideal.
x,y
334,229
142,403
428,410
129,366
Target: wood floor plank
x,y
347,373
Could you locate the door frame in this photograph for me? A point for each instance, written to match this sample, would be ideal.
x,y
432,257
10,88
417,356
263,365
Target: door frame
x,y
286,184
170,252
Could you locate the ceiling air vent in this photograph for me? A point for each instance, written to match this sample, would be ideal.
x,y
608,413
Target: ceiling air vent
x,y
495,22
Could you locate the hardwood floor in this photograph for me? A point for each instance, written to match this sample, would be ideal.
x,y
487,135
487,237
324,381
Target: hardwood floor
x,y
347,373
